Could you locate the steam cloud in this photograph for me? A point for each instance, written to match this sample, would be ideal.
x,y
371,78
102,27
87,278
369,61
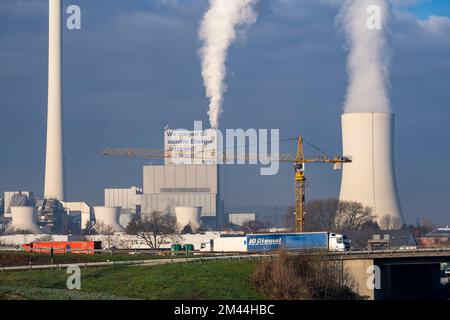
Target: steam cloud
x,y
368,58
217,31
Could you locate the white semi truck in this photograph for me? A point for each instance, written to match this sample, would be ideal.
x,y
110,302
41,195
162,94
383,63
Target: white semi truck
x,y
326,241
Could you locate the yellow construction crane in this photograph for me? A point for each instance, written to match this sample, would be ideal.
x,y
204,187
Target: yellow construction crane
x,y
300,179
298,160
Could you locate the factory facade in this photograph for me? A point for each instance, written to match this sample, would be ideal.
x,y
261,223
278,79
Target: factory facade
x,y
189,177
169,186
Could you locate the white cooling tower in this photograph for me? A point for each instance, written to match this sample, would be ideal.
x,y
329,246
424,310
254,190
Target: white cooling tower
x,y
188,216
54,169
368,139
24,218
108,216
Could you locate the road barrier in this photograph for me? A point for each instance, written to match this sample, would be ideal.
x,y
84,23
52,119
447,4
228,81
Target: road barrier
x,y
222,256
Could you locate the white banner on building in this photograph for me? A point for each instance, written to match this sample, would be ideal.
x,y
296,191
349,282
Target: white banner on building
x,y
190,147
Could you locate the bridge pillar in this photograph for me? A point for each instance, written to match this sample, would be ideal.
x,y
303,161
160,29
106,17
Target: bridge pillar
x,y
360,275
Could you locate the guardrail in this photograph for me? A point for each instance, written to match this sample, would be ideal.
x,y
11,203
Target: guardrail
x,y
395,250
149,262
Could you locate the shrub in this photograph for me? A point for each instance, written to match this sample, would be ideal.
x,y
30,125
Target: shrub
x,y
295,277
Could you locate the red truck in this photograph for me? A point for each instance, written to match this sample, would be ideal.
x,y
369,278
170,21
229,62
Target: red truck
x,y
79,247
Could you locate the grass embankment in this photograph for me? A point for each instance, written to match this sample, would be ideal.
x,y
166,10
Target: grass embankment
x,y
10,258
209,280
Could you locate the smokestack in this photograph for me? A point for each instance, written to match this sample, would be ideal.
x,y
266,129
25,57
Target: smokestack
x,y
54,167
368,138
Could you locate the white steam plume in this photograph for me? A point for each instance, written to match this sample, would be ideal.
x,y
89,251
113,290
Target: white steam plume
x,y
217,31
368,57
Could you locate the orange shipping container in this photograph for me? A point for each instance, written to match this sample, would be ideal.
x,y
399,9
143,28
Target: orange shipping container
x,y
60,247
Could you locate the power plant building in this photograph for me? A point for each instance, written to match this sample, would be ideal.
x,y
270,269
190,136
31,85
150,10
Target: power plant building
x,y
127,200
54,159
240,219
368,139
107,219
188,178
16,199
170,186
81,209
24,218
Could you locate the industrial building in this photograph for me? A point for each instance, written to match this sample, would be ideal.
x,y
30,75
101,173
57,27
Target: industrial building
x,y
186,179
21,210
169,186
188,218
368,139
78,211
15,199
127,200
54,158
436,238
240,219
48,215
24,218
51,216
107,219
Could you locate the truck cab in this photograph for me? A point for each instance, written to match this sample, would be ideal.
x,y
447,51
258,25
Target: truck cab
x,y
206,246
338,242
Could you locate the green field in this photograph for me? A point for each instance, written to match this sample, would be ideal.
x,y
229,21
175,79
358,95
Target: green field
x,y
208,280
11,258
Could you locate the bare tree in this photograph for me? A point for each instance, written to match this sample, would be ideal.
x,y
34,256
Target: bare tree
x,y
321,214
422,228
154,228
352,216
187,230
388,222
334,215
46,238
88,229
288,218
253,226
12,230
427,224
293,277
3,228
230,227
106,230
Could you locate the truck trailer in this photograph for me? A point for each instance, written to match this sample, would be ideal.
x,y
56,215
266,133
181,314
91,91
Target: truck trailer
x,y
62,247
322,241
225,244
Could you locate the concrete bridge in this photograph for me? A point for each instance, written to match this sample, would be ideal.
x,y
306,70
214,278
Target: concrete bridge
x,y
396,274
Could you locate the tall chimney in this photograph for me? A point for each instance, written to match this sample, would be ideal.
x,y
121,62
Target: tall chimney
x,y
54,161
368,138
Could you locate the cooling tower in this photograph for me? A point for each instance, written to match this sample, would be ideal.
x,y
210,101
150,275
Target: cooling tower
x,y
368,139
188,216
24,218
54,170
108,217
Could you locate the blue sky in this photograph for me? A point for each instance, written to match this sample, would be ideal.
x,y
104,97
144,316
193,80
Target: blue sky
x,y
134,68
425,8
